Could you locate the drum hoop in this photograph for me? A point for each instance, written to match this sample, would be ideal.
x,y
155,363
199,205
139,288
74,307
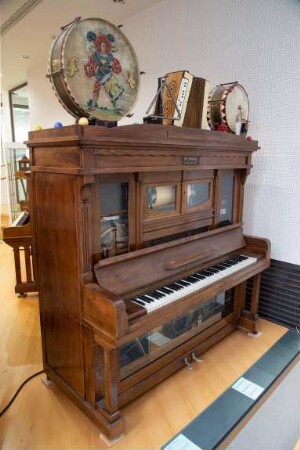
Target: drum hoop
x,y
60,77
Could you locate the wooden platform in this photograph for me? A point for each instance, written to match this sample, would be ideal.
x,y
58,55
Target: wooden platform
x,y
43,417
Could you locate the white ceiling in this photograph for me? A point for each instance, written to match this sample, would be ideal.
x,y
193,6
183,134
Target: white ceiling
x,y
32,35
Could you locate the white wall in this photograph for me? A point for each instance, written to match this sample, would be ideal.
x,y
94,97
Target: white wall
x,y
255,43
45,108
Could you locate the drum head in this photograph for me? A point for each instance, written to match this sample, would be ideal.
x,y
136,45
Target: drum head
x,y
237,107
94,70
227,105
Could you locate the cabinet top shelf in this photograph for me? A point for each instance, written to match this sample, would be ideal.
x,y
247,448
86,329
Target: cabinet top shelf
x,y
143,134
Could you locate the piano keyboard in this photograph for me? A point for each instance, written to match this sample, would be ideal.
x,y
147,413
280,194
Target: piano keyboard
x,y
180,288
22,219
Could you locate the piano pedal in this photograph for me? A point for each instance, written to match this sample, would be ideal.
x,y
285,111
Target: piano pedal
x,y
196,358
187,363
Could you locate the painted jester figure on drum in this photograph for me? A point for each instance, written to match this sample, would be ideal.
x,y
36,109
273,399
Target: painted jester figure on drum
x,y
104,67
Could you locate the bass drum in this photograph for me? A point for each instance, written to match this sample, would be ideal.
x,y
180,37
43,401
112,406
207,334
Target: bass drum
x,y
227,105
94,70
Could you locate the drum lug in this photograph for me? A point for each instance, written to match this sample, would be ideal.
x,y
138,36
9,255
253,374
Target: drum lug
x,y
49,75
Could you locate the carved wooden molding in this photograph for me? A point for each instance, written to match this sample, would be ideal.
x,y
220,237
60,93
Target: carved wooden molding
x,y
18,15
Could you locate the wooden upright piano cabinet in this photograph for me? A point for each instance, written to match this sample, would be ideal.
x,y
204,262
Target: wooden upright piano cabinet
x,y
119,214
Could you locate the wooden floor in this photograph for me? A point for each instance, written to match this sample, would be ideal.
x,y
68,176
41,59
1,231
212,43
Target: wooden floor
x,y
43,418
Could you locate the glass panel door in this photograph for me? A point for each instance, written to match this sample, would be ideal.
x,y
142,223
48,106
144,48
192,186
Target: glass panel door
x,y
226,199
114,219
161,200
197,195
159,341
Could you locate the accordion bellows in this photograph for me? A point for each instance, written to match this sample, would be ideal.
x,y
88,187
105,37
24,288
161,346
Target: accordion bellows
x,y
189,94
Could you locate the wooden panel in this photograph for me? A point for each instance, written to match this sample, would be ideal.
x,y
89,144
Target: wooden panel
x,y
178,221
198,174
121,276
175,364
106,311
55,209
67,157
183,226
156,177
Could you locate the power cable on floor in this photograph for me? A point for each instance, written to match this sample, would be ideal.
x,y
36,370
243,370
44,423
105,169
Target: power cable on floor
x,y
17,392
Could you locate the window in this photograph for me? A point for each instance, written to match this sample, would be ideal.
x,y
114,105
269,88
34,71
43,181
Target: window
x,y
19,113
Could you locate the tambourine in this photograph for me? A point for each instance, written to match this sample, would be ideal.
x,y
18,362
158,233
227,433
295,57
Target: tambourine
x,y
228,105
94,70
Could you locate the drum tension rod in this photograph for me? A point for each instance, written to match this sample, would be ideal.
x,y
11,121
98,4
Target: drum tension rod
x,y
49,75
75,20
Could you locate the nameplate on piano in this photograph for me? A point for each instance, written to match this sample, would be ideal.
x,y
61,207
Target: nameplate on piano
x,y
190,160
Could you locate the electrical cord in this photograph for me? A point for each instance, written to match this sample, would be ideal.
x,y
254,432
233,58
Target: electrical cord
x,y
17,392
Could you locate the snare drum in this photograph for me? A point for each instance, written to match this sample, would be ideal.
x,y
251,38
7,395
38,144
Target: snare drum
x,y
227,105
94,70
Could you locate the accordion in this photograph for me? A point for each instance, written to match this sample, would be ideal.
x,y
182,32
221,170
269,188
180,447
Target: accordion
x,y
182,100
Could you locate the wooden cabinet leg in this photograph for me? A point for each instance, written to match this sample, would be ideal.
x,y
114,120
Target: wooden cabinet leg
x,y
89,366
249,319
239,297
111,380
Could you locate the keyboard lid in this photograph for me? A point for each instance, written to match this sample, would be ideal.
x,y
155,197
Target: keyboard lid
x,y
146,267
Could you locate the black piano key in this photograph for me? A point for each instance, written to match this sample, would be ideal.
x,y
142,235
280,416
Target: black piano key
x,y
233,262
206,272
183,283
137,300
177,285
199,276
163,293
194,279
166,290
180,286
241,258
225,265
155,294
146,299
190,279
230,262
220,267
187,281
